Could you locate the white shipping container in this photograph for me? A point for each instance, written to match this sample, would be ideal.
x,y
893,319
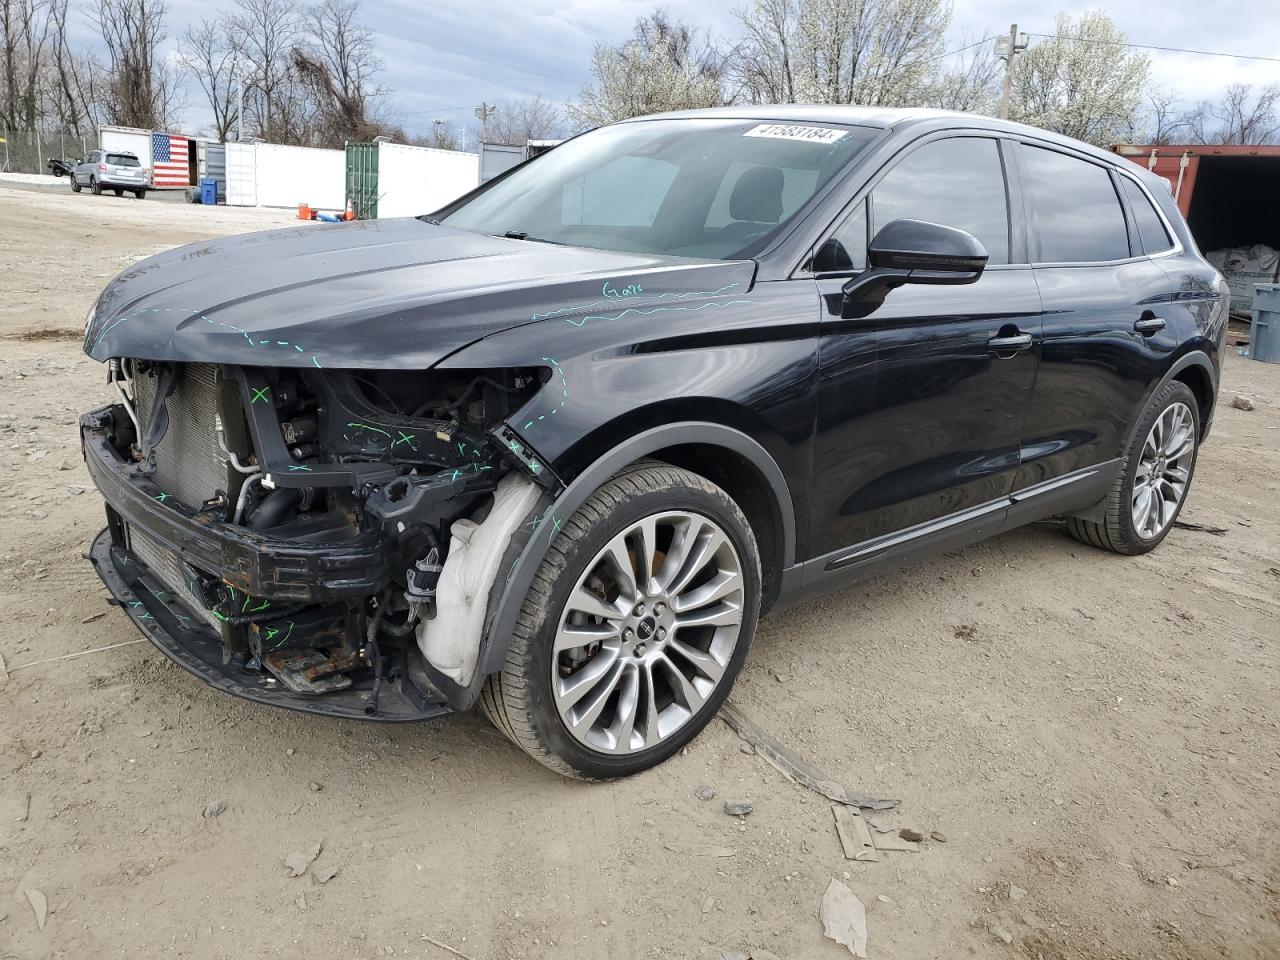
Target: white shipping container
x,y
418,180
242,175
127,140
288,176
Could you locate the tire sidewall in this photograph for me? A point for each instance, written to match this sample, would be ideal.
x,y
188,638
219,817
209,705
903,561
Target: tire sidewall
x,y
544,714
1171,393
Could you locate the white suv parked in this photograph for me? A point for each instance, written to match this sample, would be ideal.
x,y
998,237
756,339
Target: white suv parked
x,y
114,171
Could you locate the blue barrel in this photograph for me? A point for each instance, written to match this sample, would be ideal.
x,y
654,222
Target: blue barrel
x,y
1264,338
209,191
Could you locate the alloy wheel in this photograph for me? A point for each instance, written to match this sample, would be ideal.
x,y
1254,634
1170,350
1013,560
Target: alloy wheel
x,y
647,633
1164,470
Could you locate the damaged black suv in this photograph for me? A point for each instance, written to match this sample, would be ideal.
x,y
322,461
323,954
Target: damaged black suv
x,y
556,447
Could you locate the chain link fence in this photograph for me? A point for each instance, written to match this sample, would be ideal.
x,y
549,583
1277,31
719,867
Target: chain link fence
x,y
28,151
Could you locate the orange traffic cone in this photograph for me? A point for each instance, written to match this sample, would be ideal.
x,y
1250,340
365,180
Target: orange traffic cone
x,y
351,213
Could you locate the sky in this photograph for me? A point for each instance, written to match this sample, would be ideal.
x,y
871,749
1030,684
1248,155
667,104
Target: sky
x,y
444,57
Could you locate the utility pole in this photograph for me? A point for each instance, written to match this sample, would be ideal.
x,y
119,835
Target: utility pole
x,y
483,113
1006,49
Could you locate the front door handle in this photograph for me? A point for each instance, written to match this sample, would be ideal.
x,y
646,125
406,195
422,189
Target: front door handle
x,y
1010,344
1148,324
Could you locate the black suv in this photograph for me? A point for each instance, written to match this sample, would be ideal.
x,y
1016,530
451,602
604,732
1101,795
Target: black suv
x,y
556,447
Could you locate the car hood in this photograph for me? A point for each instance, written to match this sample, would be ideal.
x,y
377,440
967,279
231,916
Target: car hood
x,y
380,294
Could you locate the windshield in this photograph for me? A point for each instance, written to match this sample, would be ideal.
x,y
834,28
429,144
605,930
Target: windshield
x,y
122,160
693,188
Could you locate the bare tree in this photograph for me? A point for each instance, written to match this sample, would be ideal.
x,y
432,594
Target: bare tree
x,y
338,64
664,66
267,32
25,36
1080,82
141,90
839,51
1239,117
71,73
210,53
1163,119
970,83
519,121
440,138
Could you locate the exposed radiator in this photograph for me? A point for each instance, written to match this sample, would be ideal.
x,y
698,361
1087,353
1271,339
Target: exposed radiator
x,y
167,568
189,464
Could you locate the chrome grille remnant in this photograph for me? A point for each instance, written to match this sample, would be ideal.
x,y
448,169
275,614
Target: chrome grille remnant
x,y
189,464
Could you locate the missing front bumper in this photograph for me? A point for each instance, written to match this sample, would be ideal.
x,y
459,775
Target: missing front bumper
x,y
196,648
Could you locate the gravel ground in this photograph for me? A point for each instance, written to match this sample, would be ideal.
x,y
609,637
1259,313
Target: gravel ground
x,y
1097,738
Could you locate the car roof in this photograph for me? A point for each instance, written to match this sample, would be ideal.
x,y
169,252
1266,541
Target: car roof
x,y
895,118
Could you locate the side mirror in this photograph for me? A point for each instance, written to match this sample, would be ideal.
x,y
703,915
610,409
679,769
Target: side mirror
x,y
913,251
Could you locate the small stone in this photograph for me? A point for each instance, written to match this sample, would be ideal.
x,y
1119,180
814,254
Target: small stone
x,y
1001,934
737,808
215,809
1241,402
1171,881
289,752
747,748
938,835
36,754
1016,892
314,787
911,834
707,904
704,793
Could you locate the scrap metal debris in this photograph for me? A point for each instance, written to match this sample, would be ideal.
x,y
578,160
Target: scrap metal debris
x,y
791,766
844,918
737,808
855,838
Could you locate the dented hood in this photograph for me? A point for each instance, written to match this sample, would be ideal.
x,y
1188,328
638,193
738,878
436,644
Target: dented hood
x,y
383,294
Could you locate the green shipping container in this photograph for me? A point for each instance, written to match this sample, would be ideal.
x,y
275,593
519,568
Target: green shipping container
x,y
362,179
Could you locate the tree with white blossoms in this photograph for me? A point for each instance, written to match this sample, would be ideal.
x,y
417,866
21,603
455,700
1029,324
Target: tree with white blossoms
x,y
1081,82
664,66
872,52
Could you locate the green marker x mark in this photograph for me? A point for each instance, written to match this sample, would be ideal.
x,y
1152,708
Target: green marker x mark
x,y
404,438
260,393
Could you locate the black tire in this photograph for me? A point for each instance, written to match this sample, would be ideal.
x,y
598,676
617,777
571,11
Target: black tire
x,y
75,187
94,187
1117,531
140,194
519,699
118,191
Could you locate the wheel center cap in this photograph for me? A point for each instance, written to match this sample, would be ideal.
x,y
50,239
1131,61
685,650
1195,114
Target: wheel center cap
x,y
646,628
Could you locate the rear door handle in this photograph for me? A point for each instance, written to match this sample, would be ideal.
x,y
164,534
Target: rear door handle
x,y
1148,324
1010,344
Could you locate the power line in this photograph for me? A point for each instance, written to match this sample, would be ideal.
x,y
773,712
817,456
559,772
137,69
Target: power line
x,y
948,53
1148,46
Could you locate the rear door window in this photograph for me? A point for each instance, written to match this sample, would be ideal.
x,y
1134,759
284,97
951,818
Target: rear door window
x,y
1151,231
957,182
1076,215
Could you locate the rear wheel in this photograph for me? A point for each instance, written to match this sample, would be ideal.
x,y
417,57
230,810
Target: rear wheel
x,y
634,629
1154,479
75,187
140,194
94,187
118,191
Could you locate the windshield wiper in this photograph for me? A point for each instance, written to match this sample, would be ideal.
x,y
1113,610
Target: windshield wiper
x,y
522,235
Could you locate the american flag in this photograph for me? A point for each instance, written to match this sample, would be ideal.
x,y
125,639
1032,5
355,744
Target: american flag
x,y
169,161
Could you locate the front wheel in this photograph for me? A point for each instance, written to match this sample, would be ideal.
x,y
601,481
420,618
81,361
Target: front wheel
x,y
94,187
635,626
75,187
1156,474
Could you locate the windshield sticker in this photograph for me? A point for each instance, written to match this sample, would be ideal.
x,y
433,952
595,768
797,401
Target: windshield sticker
x,y
794,131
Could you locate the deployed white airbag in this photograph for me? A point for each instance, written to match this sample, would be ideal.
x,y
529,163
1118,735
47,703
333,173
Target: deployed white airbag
x,y
451,639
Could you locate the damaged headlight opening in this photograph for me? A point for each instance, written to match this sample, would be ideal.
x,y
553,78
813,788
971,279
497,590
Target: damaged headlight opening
x,y
301,521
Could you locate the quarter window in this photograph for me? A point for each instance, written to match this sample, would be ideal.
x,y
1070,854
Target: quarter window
x,y
1151,231
1077,217
958,182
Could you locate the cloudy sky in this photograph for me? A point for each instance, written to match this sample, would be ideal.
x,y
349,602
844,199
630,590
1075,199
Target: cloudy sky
x,y
443,57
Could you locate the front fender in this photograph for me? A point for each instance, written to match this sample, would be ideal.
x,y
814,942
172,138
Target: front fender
x,y
511,587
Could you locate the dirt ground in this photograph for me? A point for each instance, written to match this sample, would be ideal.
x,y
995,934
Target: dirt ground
x,y
1097,738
